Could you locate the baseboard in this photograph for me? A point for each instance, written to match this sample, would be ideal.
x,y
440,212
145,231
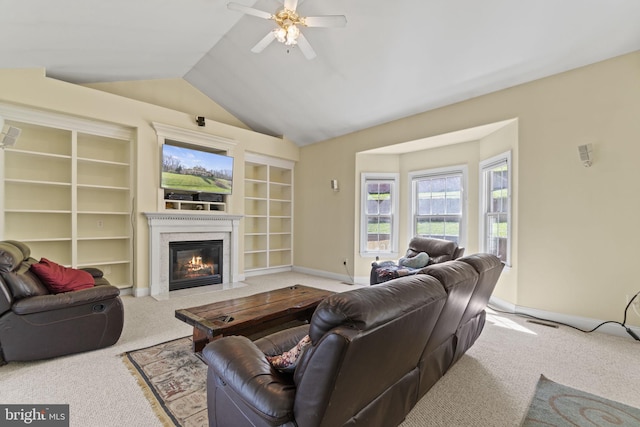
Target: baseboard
x,y
360,281
584,323
141,292
263,271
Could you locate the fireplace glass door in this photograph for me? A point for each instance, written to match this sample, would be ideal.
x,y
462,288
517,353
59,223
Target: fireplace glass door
x,y
196,263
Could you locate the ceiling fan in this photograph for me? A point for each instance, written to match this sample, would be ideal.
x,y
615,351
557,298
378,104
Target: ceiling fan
x,y
288,21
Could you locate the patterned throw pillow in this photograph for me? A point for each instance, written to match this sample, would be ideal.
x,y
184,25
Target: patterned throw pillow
x,y
287,361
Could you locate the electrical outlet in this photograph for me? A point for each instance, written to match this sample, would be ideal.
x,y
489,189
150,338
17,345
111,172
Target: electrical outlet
x,y
100,223
635,305
106,269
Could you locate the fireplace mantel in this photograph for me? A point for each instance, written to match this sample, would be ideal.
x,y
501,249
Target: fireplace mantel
x,y
164,226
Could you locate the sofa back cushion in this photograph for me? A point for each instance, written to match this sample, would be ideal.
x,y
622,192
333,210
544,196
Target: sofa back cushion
x,y
364,342
23,283
439,250
14,269
10,257
489,268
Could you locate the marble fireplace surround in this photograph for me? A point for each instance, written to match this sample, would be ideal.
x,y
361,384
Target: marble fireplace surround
x,y
181,227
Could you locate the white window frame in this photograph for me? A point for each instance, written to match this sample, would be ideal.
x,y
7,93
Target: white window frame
x,y
429,173
394,179
484,167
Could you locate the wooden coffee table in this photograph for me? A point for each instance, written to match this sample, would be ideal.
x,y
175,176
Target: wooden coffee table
x,y
252,314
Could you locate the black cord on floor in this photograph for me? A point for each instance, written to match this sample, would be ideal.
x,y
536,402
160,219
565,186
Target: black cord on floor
x,y
623,323
348,273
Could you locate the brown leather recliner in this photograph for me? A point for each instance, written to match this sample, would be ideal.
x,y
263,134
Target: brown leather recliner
x,y
439,250
36,324
361,368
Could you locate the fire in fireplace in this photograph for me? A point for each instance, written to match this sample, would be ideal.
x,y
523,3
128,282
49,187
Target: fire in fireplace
x,y
195,263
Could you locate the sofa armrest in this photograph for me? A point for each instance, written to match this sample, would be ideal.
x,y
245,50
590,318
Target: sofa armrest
x,y
96,273
281,341
42,303
241,365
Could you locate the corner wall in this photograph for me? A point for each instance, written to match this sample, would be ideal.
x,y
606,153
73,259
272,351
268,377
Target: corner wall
x,y
570,219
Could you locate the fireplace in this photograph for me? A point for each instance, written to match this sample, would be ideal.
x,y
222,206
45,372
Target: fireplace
x,y
167,227
195,263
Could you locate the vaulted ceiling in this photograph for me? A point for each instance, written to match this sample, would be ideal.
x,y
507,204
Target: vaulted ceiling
x,y
393,59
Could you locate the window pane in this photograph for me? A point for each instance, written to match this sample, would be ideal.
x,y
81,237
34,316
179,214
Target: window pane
x,y
497,210
447,228
379,206
379,233
439,206
378,198
497,236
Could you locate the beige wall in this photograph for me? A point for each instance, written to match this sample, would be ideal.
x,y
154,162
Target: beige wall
x,y
176,94
575,227
32,88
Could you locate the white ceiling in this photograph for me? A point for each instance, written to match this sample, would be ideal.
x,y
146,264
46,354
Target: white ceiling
x,y
393,59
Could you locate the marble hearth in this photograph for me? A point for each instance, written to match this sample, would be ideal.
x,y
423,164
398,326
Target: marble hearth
x,y
179,227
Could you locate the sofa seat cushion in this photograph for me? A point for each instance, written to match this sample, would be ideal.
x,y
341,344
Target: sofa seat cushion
x,y
58,278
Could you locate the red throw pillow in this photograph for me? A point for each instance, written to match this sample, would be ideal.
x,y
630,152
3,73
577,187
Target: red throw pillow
x,y
58,278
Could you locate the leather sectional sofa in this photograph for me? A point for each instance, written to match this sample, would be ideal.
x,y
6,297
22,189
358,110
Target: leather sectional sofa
x,y
36,323
374,352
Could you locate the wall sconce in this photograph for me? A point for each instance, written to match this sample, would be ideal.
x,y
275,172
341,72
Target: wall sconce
x,y
334,185
8,136
585,154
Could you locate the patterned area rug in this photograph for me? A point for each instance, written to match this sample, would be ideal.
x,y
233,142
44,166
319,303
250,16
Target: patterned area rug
x,y
174,379
558,405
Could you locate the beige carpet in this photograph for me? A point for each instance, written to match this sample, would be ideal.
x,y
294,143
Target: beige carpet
x,y
492,385
173,378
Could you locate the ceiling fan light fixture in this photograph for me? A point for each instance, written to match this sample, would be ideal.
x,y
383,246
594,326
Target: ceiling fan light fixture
x,y
292,35
288,26
281,34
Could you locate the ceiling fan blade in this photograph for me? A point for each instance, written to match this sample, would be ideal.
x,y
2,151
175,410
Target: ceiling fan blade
x,y
291,5
249,10
305,47
325,21
266,41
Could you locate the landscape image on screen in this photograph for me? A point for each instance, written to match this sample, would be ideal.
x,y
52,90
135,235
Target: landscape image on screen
x,y
196,171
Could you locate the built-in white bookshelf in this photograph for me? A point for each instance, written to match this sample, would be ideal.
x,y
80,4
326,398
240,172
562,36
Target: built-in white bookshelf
x,y
268,220
67,191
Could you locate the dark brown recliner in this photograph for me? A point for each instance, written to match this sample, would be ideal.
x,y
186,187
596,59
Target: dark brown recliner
x,y
360,370
36,324
439,250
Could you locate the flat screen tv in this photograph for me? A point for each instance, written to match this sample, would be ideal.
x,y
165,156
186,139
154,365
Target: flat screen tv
x,y
195,171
